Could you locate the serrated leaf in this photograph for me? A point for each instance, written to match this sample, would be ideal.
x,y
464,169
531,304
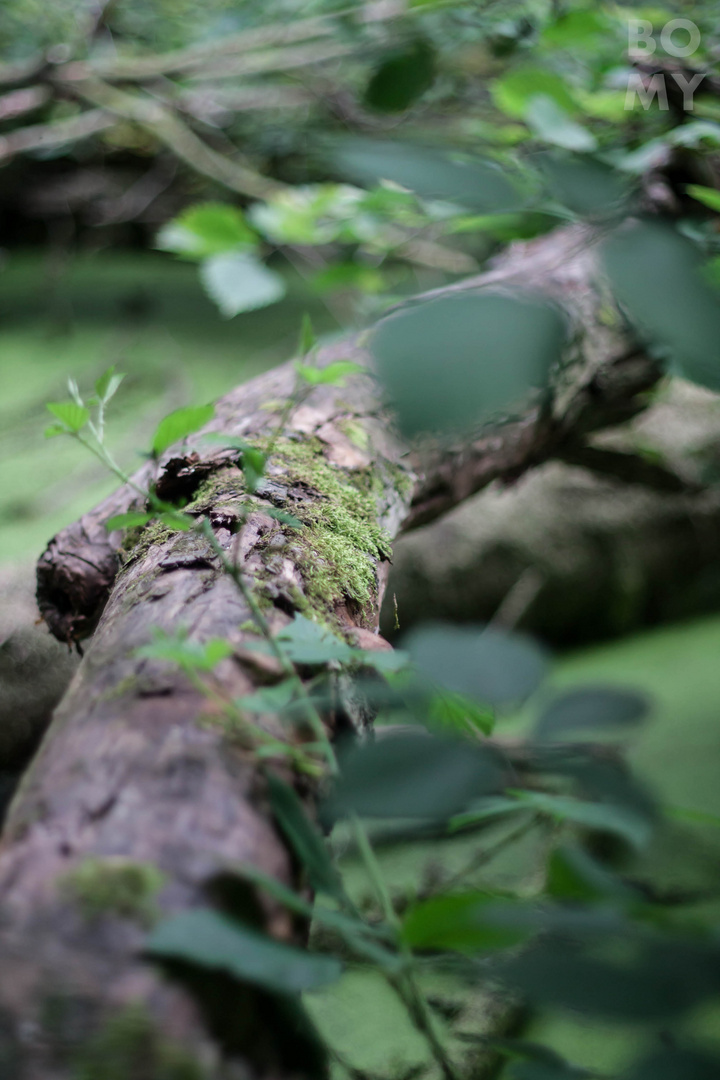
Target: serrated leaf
x,y
179,424
238,282
69,413
208,939
131,520
304,838
401,78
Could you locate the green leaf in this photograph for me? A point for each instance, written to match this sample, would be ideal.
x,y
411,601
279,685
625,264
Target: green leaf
x,y
580,27
470,181
304,839
585,185
74,417
591,709
401,78
173,519
651,982
205,230
573,875
457,713
657,275
414,775
676,1063
621,821
133,519
179,424
189,655
482,663
208,939
458,922
55,429
238,282
306,642
252,463
335,374
705,195
307,340
551,123
450,363
514,91
283,517
107,385
270,699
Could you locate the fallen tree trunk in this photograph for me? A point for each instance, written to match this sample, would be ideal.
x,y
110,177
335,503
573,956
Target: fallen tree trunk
x,y
129,782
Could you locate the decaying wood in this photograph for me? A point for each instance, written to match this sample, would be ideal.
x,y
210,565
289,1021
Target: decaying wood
x,y
130,772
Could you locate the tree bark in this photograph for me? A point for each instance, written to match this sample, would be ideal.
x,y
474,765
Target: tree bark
x,y
137,771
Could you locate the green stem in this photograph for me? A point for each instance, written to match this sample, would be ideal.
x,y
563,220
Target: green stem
x,y
405,984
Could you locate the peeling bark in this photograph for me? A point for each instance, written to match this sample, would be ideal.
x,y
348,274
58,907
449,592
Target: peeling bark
x,y
136,772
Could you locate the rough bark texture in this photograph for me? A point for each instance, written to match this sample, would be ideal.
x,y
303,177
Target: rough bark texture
x,y
131,777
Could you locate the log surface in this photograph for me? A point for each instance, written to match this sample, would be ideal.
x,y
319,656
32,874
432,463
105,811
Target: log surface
x,y
130,774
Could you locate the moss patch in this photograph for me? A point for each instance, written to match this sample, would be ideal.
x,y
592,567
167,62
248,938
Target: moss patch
x,y
337,549
117,887
128,1046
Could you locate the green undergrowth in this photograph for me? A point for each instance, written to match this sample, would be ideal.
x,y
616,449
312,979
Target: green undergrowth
x,y
116,887
675,753
141,311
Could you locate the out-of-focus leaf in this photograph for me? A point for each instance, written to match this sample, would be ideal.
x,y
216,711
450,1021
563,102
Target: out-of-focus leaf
x,y
653,982
307,642
179,424
239,282
675,1063
605,817
401,77
573,875
459,923
486,810
449,363
657,275
74,417
551,123
190,655
513,92
591,709
579,27
208,939
457,713
335,374
584,185
413,775
283,517
133,519
107,385
307,339
482,663
205,230
472,182
705,195
304,838
269,699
